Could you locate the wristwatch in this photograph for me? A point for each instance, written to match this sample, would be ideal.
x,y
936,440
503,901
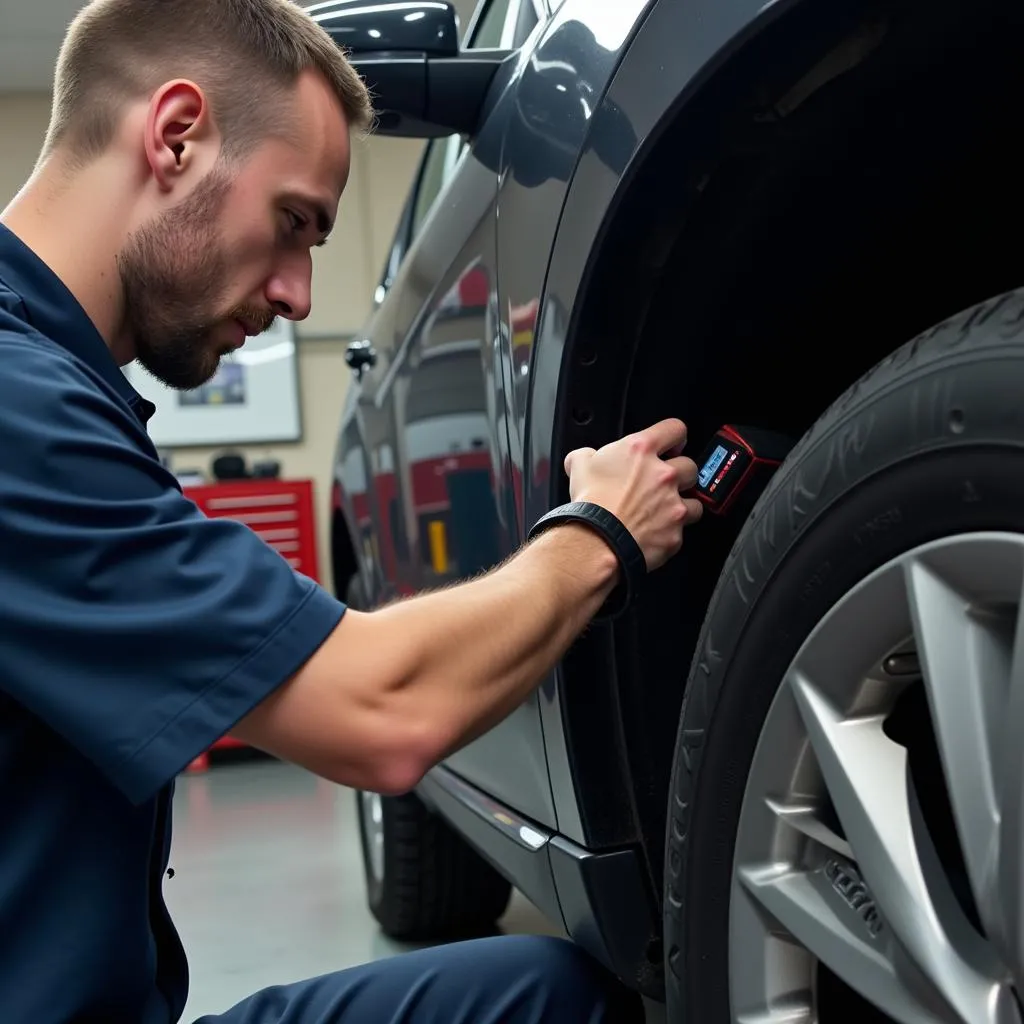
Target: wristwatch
x,y
631,558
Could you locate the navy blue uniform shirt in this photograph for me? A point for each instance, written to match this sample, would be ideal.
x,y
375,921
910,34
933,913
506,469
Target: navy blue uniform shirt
x,y
133,633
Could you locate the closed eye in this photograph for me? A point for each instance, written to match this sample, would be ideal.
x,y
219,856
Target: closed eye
x,y
299,224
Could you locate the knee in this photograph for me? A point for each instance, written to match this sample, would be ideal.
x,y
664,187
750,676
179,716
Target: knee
x,y
553,958
570,983
546,954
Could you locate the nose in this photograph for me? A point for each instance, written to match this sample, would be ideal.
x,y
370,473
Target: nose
x,y
289,288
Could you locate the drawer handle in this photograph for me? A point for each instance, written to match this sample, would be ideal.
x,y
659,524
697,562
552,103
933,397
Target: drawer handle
x,y
267,517
272,535
253,500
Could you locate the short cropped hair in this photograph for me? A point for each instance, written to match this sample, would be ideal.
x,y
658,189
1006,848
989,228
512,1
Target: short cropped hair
x,y
244,54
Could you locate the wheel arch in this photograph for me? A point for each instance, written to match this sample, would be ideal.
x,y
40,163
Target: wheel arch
x,y
719,138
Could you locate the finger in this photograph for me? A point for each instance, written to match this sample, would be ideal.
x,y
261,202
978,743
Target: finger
x,y
574,456
686,472
666,436
676,449
694,510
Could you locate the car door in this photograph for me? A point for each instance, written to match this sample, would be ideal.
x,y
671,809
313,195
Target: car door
x,y
433,408
364,488
380,356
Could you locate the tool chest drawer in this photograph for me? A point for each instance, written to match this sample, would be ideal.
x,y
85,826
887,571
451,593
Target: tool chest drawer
x,y
279,511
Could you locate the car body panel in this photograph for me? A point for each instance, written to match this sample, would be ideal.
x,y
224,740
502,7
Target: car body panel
x,y
538,181
560,84
430,414
491,284
633,69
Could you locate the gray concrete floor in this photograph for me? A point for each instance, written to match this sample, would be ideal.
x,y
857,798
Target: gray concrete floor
x,y
268,883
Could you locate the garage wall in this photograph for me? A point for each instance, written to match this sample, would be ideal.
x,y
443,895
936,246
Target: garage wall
x,y
346,271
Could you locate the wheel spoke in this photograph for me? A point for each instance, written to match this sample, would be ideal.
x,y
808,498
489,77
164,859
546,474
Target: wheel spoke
x,y
801,903
867,778
1010,886
935,634
804,818
779,1015
770,971
954,651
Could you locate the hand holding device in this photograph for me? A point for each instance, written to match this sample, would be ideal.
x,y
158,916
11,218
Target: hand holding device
x,y
639,479
736,466
630,491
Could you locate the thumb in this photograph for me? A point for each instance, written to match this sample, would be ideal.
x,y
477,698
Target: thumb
x,y
574,457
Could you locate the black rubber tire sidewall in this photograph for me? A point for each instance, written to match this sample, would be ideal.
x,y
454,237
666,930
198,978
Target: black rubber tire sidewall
x,y
435,885
374,886
929,444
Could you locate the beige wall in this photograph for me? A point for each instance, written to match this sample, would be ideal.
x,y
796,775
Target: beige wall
x,y
345,273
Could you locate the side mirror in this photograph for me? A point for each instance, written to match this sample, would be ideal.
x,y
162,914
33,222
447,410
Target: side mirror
x,y
407,52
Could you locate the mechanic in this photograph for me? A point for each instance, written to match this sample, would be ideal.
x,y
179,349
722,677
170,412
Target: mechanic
x,y
197,150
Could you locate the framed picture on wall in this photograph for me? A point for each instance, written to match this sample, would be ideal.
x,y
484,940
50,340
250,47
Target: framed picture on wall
x,y
252,399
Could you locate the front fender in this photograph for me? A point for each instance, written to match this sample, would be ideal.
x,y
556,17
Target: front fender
x,y
677,49
638,71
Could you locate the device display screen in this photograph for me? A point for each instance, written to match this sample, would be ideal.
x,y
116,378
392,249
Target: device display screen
x,y
715,459
722,469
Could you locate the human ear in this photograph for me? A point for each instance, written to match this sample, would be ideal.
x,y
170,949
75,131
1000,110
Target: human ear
x,y
178,124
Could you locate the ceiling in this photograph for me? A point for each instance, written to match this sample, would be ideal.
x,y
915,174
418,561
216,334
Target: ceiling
x,y
34,29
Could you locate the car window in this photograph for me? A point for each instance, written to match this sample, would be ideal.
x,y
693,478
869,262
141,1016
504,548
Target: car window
x,y
502,24
396,253
438,164
491,27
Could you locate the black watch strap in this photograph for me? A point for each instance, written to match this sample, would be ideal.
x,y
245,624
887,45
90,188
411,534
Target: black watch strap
x,y
630,556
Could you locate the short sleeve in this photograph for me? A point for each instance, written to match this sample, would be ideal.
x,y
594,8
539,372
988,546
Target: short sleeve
x,y
135,627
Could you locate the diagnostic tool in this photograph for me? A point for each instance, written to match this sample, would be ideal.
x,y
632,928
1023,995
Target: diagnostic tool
x,y
737,465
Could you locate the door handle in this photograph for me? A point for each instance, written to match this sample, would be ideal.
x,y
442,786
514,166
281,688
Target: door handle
x,y
359,355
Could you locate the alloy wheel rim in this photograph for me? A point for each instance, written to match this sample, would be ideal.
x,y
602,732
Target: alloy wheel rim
x,y
843,859
373,833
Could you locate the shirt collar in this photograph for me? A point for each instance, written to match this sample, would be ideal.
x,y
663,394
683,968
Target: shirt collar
x,y
56,313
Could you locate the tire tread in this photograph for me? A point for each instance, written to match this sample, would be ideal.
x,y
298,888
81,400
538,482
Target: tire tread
x,y
436,886
793,500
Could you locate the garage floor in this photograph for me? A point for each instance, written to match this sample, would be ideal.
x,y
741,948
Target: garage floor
x,y
268,883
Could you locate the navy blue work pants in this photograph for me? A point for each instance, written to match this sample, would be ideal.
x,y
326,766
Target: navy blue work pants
x,y
508,979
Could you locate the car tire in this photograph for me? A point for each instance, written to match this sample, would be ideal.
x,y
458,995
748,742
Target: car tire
x,y
919,459
424,882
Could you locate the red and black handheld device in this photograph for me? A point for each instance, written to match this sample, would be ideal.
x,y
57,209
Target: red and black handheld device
x,y
736,466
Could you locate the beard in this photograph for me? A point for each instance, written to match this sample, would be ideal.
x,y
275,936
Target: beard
x,y
172,274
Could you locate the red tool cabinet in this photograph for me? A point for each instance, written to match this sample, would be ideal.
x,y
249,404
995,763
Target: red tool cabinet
x,y
278,511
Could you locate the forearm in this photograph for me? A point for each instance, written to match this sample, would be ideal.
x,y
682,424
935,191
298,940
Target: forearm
x,y
392,692
474,652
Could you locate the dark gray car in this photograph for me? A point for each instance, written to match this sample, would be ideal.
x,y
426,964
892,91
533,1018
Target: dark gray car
x,y
788,784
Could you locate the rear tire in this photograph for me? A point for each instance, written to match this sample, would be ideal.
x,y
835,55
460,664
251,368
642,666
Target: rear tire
x,y
928,445
425,883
